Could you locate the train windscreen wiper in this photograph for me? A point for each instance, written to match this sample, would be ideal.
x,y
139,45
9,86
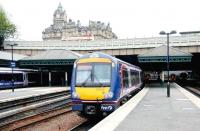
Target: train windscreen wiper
x,y
86,81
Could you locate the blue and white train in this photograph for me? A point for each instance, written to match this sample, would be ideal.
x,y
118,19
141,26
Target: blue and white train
x,y
19,76
101,83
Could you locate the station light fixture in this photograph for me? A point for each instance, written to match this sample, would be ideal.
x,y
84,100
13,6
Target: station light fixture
x,y
12,64
167,34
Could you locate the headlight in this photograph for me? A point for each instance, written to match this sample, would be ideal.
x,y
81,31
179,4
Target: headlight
x,y
108,95
75,95
113,64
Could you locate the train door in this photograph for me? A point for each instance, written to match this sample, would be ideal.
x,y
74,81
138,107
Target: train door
x,y
125,80
25,79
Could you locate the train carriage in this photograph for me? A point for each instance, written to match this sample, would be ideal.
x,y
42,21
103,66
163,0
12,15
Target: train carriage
x,y
20,77
100,83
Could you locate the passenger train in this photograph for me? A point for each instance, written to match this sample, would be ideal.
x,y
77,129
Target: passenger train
x,y
101,83
20,77
179,75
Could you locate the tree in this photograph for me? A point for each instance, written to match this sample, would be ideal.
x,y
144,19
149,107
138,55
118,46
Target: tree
x,y
7,28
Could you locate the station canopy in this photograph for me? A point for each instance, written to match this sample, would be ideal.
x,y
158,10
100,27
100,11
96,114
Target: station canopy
x,y
51,58
8,56
159,55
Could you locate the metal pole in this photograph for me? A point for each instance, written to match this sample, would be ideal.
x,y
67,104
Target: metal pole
x,y
168,85
12,70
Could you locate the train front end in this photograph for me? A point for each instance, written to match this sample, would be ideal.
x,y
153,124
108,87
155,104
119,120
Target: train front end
x,y
92,90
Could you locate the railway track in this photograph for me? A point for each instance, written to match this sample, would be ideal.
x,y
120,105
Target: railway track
x,y
193,90
22,112
193,87
29,113
93,120
86,125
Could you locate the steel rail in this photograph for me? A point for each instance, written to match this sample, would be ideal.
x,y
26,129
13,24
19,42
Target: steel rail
x,y
27,107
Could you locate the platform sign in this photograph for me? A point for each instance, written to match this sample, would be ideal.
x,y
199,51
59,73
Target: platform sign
x,y
13,64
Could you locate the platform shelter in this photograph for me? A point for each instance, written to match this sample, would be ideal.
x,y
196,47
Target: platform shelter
x,y
55,66
156,60
6,58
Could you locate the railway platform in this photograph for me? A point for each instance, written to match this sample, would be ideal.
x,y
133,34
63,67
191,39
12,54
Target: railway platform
x,y
20,93
152,110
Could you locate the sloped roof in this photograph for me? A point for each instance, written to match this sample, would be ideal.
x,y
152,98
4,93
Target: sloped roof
x,y
51,57
8,56
54,55
162,51
159,54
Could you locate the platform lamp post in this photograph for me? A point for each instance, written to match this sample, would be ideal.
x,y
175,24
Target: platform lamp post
x,y
12,64
169,33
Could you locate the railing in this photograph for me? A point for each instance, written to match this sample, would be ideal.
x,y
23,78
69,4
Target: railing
x,y
183,40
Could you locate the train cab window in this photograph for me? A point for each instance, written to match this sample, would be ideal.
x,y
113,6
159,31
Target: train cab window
x,y
83,74
102,74
93,75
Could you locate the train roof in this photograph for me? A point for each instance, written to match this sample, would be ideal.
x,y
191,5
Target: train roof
x,y
103,55
4,69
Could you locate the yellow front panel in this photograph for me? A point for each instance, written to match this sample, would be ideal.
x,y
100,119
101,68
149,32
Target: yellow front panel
x,y
92,93
88,60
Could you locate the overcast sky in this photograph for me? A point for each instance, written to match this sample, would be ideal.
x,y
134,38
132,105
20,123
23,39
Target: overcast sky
x,y
128,18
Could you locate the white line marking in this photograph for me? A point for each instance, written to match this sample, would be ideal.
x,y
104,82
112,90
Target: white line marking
x,y
187,108
148,105
182,99
114,119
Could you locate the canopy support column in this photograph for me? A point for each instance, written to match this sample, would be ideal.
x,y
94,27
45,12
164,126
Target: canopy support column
x,y
66,79
49,78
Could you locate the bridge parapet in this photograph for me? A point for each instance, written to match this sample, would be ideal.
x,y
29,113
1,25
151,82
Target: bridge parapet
x,y
193,40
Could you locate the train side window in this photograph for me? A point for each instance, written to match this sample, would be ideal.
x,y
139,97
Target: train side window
x,y
134,78
125,79
137,76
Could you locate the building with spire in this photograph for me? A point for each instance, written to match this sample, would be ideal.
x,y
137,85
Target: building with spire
x,y
64,29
